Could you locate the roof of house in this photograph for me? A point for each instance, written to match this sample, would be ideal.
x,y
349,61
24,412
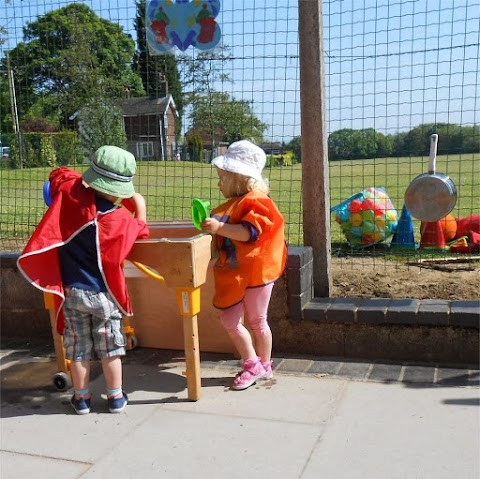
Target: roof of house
x,y
143,105
271,145
207,138
146,105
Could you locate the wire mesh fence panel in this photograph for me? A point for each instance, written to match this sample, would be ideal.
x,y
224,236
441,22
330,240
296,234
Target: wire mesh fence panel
x,y
176,82
398,72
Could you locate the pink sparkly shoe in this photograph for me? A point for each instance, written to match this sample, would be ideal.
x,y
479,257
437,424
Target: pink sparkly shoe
x,y
252,370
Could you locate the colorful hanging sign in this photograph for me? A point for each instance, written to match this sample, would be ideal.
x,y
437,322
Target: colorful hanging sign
x,y
181,24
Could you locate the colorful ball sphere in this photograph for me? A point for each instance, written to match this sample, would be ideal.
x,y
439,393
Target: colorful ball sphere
x,y
355,206
356,219
367,219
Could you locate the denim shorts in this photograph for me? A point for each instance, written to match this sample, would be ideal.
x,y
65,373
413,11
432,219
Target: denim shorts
x,y
93,326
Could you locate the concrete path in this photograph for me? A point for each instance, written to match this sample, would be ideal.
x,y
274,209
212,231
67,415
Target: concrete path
x,y
308,425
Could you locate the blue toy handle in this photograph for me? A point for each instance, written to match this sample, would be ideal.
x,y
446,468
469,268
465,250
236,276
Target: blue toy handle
x,y
344,203
47,197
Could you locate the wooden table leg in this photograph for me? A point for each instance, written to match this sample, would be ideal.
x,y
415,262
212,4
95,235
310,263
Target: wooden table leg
x,y
192,357
188,300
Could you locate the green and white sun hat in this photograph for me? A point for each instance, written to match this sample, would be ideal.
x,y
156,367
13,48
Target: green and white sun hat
x,y
111,171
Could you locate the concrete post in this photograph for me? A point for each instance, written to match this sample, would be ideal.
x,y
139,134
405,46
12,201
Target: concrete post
x,y
315,178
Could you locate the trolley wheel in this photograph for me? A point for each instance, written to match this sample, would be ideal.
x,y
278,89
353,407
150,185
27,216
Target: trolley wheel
x,y
62,381
132,342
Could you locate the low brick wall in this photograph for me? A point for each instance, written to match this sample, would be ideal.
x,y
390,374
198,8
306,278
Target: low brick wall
x,y
432,331
23,313
445,332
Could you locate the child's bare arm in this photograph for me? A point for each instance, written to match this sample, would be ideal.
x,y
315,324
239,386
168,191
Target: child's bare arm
x,y
236,232
140,206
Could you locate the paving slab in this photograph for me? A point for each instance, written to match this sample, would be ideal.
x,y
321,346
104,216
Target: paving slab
x,y
179,444
397,432
15,465
317,417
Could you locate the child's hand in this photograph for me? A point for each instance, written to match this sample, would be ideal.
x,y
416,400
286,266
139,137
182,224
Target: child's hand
x,y
236,232
210,225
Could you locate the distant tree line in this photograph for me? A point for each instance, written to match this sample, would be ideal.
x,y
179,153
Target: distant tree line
x,y
348,144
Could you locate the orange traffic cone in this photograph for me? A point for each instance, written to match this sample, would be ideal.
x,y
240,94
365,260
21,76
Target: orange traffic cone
x,y
432,235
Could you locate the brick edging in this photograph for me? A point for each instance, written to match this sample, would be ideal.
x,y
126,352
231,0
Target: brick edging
x,y
373,311
411,312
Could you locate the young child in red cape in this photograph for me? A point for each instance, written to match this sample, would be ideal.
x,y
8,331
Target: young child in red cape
x,y
76,253
252,253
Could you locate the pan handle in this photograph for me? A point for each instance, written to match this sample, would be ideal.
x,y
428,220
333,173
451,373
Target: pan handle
x,y
433,153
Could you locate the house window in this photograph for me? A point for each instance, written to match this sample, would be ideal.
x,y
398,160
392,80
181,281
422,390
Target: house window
x,y
144,150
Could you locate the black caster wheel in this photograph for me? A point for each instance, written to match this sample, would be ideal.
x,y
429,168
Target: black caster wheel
x,y
62,381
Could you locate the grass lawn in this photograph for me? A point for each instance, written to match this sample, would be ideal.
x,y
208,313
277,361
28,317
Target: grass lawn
x,y
170,186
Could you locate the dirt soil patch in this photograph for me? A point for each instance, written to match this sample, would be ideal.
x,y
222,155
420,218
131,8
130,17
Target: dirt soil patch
x,y
370,277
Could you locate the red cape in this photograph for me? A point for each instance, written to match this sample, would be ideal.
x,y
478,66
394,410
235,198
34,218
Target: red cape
x,y
73,209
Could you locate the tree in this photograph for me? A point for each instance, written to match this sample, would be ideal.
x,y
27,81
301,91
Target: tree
x,y
100,124
417,141
5,116
218,112
201,71
47,155
341,144
452,139
374,144
455,139
398,141
155,69
358,144
470,138
385,145
3,30
195,148
71,55
295,146
6,124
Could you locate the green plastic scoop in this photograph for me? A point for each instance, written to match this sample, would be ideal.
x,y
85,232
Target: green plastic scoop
x,y
200,211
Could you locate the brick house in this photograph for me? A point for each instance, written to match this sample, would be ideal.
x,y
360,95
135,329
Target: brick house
x,y
272,148
149,124
213,144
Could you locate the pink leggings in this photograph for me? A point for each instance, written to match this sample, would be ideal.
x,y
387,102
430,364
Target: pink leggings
x,y
255,305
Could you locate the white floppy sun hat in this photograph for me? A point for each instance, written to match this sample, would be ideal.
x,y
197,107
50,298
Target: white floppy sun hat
x,y
244,158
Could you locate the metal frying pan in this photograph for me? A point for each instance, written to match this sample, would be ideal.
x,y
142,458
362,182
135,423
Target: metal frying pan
x,y
431,196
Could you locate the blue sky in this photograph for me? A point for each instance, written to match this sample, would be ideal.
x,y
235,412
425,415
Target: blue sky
x,y
391,64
